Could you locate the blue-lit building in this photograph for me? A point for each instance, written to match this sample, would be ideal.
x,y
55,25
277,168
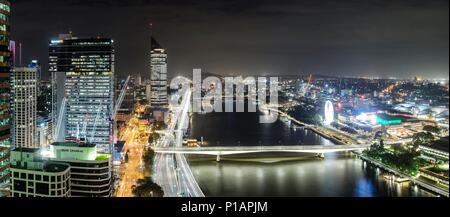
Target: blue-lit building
x,y
82,71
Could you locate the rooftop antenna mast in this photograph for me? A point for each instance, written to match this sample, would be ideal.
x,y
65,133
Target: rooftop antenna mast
x,y
151,35
14,54
20,54
150,56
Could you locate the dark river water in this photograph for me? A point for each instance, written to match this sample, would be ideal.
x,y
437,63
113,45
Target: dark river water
x,y
339,174
234,129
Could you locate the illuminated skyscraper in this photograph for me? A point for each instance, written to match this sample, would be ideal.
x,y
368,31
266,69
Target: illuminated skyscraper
x,y
24,90
5,120
83,72
158,77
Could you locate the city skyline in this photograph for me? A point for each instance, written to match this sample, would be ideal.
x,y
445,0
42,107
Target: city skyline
x,y
370,38
120,115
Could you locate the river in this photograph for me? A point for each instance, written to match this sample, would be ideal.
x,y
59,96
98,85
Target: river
x,y
293,175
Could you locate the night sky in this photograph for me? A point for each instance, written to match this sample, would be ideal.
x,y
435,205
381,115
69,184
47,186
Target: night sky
x,y
400,38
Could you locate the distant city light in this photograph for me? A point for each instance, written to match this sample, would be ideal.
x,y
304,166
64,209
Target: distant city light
x,y
56,41
364,117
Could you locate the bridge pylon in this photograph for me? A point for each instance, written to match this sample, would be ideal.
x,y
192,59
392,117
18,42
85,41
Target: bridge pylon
x,y
218,158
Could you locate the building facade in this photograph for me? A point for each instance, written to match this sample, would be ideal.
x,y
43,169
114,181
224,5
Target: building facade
x,y
158,76
91,178
5,119
67,169
91,173
83,73
44,104
34,177
24,90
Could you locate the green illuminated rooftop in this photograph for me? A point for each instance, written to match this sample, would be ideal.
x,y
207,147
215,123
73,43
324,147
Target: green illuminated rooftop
x,y
103,157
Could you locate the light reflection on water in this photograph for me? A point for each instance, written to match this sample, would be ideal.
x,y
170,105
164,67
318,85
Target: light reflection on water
x,y
337,175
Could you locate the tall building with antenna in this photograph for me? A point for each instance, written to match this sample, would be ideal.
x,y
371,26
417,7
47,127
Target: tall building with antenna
x,y
158,75
5,112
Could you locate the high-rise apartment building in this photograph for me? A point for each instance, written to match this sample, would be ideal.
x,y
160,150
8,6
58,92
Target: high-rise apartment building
x,y
24,90
5,119
82,71
158,76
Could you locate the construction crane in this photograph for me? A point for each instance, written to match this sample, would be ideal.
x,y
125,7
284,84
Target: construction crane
x,y
116,107
60,117
84,131
97,117
96,121
120,99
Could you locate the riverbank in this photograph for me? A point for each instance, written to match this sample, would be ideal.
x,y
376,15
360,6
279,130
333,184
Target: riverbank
x,y
414,180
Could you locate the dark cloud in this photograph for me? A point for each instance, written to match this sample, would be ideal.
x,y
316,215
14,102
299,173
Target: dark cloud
x,y
352,37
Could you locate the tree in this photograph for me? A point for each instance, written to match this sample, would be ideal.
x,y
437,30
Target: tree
x,y
381,145
153,137
378,135
149,156
143,102
160,125
432,129
318,119
126,156
147,188
422,138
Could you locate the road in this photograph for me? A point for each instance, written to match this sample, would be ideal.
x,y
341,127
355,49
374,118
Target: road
x,y
172,172
134,168
165,170
189,186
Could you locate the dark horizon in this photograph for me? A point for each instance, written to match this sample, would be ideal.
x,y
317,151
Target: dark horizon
x,y
400,38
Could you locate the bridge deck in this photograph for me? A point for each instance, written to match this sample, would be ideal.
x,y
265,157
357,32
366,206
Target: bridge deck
x,y
253,149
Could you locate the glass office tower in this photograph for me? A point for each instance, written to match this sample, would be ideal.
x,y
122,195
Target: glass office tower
x,y
83,73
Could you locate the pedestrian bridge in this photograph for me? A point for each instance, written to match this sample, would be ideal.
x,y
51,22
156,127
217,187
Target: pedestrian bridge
x,y
316,149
